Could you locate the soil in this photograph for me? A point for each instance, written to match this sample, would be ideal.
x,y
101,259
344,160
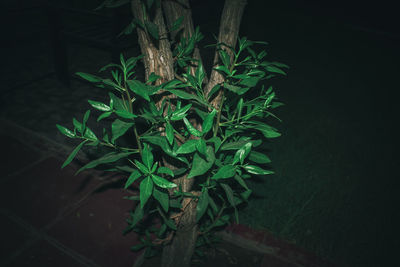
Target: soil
x,y
223,254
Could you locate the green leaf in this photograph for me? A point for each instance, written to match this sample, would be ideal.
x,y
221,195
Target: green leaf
x,y
143,168
266,130
177,23
152,78
89,77
235,145
65,131
147,156
169,132
201,147
191,128
158,141
161,182
180,113
152,29
241,181
275,70
125,114
132,178
226,60
242,153
146,190
213,91
202,204
78,126
104,115
246,194
250,81
73,154
188,147
162,198
223,69
236,89
208,121
256,170
172,84
217,142
165,170
119,128
99,106
200,74
201,166
259,158
183,94
224,172
229,193
137,216
89,134
139,88
108,158
85,119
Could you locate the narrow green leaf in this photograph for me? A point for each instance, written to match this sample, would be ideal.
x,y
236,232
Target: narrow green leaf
x,y
241,181
188,147
89,134
236,89
259,158
208,121
65,131
161,182
152,78
249,81
158,141
137,216
169,133
132,178
108,158
242,153
73,154
89,77
165,170
99,106
78,126
146,190
119,128
177,23
256,170
191,128
229,193
138,88
143,168
180,113
223,69
213,91
224,172
275,69
147,156
162,198
104,115
202,204
125,114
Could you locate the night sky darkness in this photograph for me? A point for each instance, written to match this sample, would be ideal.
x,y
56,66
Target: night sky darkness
x,y
340,122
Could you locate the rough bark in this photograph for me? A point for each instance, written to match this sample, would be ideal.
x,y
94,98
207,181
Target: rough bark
x,y
228,34
156,59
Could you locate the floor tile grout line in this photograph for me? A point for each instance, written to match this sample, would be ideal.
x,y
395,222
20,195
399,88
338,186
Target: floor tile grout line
x,y
40,234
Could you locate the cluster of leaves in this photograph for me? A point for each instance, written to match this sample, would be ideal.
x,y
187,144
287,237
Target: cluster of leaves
x,y
219,148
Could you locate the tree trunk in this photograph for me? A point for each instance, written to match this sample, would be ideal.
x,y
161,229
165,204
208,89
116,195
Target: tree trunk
x,y
158,59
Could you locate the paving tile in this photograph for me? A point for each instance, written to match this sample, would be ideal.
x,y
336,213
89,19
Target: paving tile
x,y
44,254
95,229
13,237
15,155
40,193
